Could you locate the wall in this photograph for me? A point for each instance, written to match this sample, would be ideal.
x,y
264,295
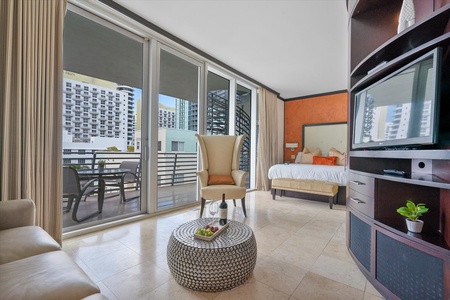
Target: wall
x,y
321,109
280,110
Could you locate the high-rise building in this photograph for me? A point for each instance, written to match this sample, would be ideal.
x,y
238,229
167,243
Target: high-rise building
x,y
130,114
166,117
97,110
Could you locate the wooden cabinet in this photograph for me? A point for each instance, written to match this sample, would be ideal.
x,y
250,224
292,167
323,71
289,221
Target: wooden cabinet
x,y
377,235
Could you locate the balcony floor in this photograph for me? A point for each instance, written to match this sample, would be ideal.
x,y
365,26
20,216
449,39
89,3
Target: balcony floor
x,y
168,196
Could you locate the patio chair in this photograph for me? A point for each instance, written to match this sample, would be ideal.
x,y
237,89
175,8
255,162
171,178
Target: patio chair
x,y
127,178
220,172
73,189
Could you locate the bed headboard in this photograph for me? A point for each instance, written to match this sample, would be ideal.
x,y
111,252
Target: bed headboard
x,y
325,136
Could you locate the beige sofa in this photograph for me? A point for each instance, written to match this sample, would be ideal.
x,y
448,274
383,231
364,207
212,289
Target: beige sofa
x,y
32,264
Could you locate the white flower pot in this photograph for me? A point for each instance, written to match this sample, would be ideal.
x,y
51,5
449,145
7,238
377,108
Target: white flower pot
x,y
414,226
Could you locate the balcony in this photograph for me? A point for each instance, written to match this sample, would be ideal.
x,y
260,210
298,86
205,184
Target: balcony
x,y
176,183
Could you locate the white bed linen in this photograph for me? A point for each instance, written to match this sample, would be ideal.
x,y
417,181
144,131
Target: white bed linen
x,y
336,174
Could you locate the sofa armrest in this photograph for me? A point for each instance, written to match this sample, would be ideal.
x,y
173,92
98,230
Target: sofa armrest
x,y
17,213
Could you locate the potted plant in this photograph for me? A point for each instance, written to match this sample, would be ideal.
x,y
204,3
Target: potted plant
x,y
101,164
412,212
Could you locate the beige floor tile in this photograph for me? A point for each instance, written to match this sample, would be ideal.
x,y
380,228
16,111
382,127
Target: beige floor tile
x,y
106,291
340,271
316,287
137,281
172,290
253,290
113,263
368,296
371,290
278,274
298,256
338,249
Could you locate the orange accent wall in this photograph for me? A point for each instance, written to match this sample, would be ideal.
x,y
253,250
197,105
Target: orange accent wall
x,y
315,110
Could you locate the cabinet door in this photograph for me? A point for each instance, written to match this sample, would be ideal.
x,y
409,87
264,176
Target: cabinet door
x,y
360,240
407,269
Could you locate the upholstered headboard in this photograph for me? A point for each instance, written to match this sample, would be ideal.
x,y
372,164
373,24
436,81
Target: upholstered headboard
x,y
325,136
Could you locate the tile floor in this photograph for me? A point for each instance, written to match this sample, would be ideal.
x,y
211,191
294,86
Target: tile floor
x,y
301,255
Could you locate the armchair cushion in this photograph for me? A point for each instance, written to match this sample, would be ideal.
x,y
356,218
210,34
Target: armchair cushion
x,y
220,179
214,192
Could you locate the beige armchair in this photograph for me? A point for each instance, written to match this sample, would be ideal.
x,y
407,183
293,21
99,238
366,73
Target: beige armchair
x,y
220,172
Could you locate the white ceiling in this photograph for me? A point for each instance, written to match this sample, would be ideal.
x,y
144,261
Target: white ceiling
x,y
295,47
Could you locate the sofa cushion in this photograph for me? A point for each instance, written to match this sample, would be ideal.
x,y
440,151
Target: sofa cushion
x,y
21,242
51,275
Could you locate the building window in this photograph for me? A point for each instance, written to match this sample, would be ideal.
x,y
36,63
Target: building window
x,y
177,146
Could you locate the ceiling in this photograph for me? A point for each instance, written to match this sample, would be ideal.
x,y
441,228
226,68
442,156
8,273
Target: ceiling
x,y
295,47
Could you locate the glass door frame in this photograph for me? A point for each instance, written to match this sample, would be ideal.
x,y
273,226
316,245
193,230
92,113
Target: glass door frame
x,y
93,15
234,81
153,111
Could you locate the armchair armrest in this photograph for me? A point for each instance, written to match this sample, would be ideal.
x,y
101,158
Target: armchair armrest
x,y
17,213
203,176
239,177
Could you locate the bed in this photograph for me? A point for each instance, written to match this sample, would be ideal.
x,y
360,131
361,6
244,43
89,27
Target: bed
x,y
316,174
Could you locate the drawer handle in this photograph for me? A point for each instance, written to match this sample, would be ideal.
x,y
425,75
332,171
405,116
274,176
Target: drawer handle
x,y
356,200
357,182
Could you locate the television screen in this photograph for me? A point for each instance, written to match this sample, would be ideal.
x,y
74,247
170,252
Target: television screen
x,y
401,109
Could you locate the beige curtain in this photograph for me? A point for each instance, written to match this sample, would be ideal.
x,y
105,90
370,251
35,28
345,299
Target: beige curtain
x,y
31,34
267,152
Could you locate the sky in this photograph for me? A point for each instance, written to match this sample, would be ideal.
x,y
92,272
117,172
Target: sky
x,y
163,99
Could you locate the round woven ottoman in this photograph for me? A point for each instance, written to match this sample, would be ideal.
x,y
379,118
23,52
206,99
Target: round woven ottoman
x,y
212,266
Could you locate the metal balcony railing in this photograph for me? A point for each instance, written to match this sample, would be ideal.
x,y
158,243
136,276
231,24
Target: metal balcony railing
x,y
174,168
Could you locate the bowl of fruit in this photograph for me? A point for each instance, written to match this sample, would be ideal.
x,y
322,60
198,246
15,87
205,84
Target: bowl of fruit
x,y
209,231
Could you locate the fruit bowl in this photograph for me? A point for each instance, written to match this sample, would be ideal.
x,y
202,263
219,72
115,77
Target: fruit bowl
x,y
214,224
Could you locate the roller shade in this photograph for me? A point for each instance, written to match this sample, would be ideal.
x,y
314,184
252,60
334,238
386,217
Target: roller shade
x,y
101,52
178,77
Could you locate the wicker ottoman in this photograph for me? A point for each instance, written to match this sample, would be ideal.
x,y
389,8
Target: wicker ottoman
x,y
212,266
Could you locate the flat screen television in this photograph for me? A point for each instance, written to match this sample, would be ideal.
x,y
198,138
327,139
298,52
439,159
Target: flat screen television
x,y
400,110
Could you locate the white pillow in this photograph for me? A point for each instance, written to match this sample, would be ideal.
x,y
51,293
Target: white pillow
x,y
299,156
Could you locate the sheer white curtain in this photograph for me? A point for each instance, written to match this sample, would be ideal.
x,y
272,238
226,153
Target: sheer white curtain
x,y
268,150
31,67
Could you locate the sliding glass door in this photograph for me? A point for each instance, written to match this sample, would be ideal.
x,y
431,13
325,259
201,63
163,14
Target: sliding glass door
x,y
230,107
178,107
103,83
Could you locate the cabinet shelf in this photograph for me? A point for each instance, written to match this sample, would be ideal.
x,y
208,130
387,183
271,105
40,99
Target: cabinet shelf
x,y
418,34
403,154
433,240
364,78
414,178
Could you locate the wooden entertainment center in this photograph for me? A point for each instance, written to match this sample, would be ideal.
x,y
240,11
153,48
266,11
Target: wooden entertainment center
x,y
400,264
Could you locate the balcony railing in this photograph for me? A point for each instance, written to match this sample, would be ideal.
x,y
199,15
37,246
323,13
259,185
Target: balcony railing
x,y
174,168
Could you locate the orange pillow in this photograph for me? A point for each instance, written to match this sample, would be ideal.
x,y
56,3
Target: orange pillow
x,y
324,160
220,179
